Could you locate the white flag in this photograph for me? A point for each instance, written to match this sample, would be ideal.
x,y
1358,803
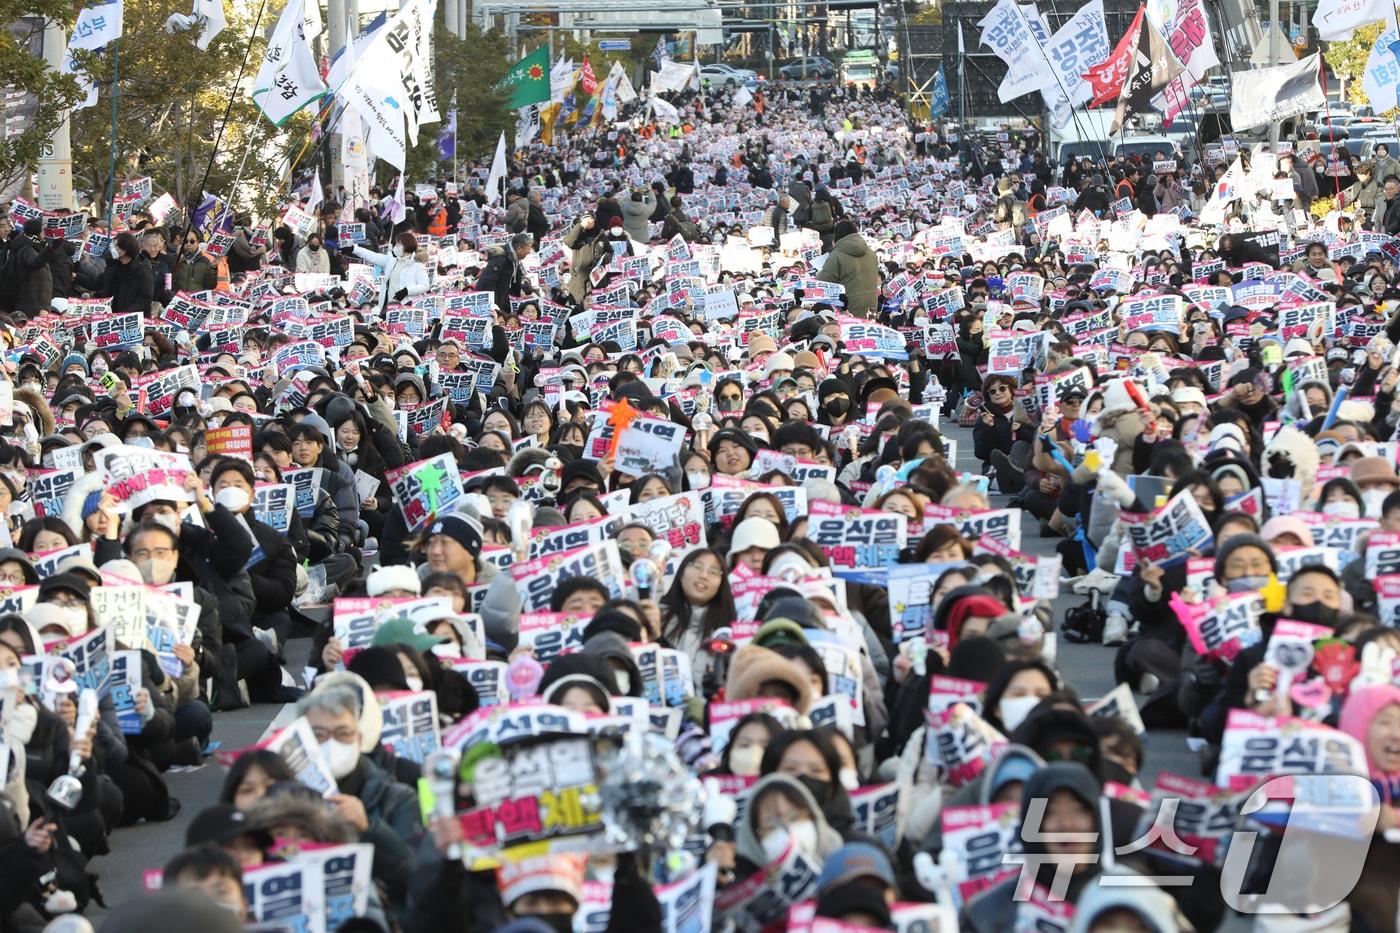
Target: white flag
x,y
354,159
495,182
961,50
1336,19
741,97
398,213
625,92
527,125
391,84
210,14
673,76
288,79
96,26
1262,96
70,67
561,80
1073,49
1379,79
1017,34
317,196
664,112
1226,190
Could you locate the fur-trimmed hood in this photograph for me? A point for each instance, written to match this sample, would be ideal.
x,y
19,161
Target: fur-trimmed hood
x,y
315,819
1291,454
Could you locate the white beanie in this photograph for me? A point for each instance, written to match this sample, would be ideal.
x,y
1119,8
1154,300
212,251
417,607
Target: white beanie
x,y
392,577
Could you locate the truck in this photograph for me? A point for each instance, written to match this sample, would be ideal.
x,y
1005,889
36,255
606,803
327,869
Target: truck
x,y
1087,134
860,68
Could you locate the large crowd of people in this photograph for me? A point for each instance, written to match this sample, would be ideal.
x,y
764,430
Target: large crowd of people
x,y
622,515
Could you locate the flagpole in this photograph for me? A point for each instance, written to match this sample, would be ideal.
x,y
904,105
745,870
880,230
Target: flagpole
x,y
218,138
112,167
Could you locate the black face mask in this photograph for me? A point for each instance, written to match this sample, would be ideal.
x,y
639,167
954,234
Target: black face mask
x,y
837,407
564,923
1316,613
1113,771
575,450
819,789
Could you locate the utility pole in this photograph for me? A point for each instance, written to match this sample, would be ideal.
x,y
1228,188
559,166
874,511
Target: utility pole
x,y
56,158
337,35
1274,60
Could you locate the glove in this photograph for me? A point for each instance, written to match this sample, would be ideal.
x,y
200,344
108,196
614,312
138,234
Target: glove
x,y
1115,487
401,294
1207,674
348,250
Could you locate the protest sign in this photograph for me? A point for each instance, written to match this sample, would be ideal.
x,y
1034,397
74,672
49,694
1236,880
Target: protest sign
x,y
425,489
410,724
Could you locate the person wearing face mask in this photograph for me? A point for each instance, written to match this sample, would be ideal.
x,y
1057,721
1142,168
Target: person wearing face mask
x,y
404,275
214,558
1017,688
272,568
314,258
194,270
1377,479
834,398
382,811
743,754
1314,595
127,280
782,813
810,757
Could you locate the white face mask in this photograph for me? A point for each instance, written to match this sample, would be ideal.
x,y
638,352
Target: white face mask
x,y
99,368
1014,710
745,761
802,834
849,778
157,572
1374,499
698,480
1342,508
398,251
75,618
624,682
341,757
232,498
448,649
169,520
415,683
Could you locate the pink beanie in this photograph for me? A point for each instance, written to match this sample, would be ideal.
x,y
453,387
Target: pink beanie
x,y
1361,707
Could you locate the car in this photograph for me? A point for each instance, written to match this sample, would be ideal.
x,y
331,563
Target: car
x,y
1145,147
1369,144
726,75
815,66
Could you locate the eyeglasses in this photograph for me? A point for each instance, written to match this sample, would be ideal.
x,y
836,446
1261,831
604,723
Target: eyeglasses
x,y
713,573
346,734
156,553
14,578
66,600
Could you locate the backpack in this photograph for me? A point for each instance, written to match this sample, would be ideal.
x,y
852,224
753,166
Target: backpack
x,y
822,217
687,228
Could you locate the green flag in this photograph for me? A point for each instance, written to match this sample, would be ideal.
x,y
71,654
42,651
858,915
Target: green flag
x,y
529,79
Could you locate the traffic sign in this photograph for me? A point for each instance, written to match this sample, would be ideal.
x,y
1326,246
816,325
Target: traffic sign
x,y
614,45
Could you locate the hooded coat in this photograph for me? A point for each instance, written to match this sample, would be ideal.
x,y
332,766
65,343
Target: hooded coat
x,y
994,910
852,264
746,842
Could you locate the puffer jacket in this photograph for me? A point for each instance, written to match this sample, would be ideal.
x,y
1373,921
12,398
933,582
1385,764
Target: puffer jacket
x,y
589,248
852,263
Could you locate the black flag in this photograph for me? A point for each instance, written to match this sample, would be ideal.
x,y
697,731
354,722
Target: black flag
x,y
1153,67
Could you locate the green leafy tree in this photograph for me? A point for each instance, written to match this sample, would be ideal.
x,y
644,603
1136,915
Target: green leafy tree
x,y
471,68
1348,59
171,99
24,69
